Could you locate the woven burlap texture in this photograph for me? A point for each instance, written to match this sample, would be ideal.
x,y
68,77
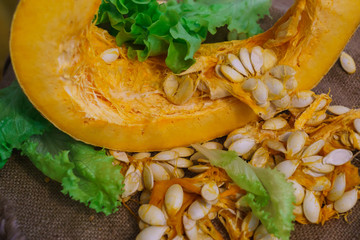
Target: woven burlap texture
x,y
43,212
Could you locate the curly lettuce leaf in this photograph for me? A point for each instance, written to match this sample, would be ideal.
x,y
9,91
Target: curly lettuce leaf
x,y
86,174
176,28
269,195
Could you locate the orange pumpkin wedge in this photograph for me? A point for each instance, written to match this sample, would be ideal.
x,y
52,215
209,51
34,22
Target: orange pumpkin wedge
x,y
56,53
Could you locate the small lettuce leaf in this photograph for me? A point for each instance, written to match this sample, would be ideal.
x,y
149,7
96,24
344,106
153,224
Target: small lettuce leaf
x,y
269,195
176,28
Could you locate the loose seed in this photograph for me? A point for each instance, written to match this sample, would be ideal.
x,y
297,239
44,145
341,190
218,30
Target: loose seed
x,y
338,109
282,72
302,99
275,87
284,137
288,167
198,168
250,84
199,209
299,192
152,232
282,103
166,155
174,199
130,170
159,172
296,142
270,59
191,229
260,157
172,171
357,125
260,94
314,148
257,58
319,167
242,146
210,191
218,71
276,145
249,223
321,105
145,197
312,173
245,59
179,90
181,163
121,156
212,145
148,177
311,159
262,234
231,74
131,184
298,210
152,215
143,225
291,83
274,123
338,157
110,55
196,156
316,120
183,151
141,155
236,64
347,63
347,201
311,207
338,187
232,138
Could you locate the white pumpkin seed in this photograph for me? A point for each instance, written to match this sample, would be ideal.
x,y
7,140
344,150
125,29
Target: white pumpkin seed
x,y
316,119
110,55
212,145
159,172
231,74
141,155
152,232
172,171
347,63
173,199
148,177
338,109
284,137
288,167
338,187
181,163
199,209
347,201
296,142
236,64
276,145
298,210
242,146
143,225
282,103
245,59
232,138
299,192
218,71
311,159
197,156
275,123
152,215
131,184
183,151
250,223
261,93
313,149
319,167
121,156
198,168
291,83
191,229
357,125
312,173
166,155
257,58
311,207
212,215
282,72
338,157
321,105
250,84
275,87
302,99
210,191
262,234
130,170
260,157
270,60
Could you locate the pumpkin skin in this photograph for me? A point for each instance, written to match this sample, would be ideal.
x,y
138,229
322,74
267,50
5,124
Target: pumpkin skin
x,y
125,109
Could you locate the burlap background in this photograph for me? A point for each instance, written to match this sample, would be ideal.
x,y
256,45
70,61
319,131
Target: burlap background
x,y
43,212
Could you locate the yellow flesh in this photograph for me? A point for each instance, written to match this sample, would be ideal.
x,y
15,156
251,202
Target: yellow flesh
x,y
56,56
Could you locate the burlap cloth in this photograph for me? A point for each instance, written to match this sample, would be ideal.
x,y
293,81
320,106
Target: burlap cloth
x,y
43,212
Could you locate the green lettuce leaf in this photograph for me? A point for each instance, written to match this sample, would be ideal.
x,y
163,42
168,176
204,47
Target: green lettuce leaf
x,y
269,195
86,174
176,28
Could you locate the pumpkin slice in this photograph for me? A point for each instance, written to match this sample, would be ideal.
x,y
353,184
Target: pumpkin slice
x,y
58,57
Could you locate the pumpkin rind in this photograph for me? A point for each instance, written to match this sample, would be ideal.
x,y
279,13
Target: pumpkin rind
x,y
311,43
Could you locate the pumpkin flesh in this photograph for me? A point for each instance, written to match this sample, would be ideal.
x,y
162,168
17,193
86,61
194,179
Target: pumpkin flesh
x,y
56,57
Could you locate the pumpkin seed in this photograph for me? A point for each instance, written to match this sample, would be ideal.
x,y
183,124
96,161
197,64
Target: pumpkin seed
x,y
274,123
311,207
183,151
199,209
196,156
159,172
299,192
250,84
110,55
275,87
143,225
178,237
346,201
212,215
338,157
276,145
319,167
250,223
232,138
198,168
166,156
282,103
257,58
298,210
260,157
231,74
296,142
212,145
245,59
121,156
152,215
148,177
210,191
311,159
357,125
302,99
242,146
338,109
191,229
174,199
152,232
130,170
282,72
236,64
284,137
313,149
141,155
261,93
338,187
321,184
291,83
347,63
181,163
312,173
145,196
172,171
321,105
288,167
270,60
218,71
262,234
179,90
316,120
131,184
